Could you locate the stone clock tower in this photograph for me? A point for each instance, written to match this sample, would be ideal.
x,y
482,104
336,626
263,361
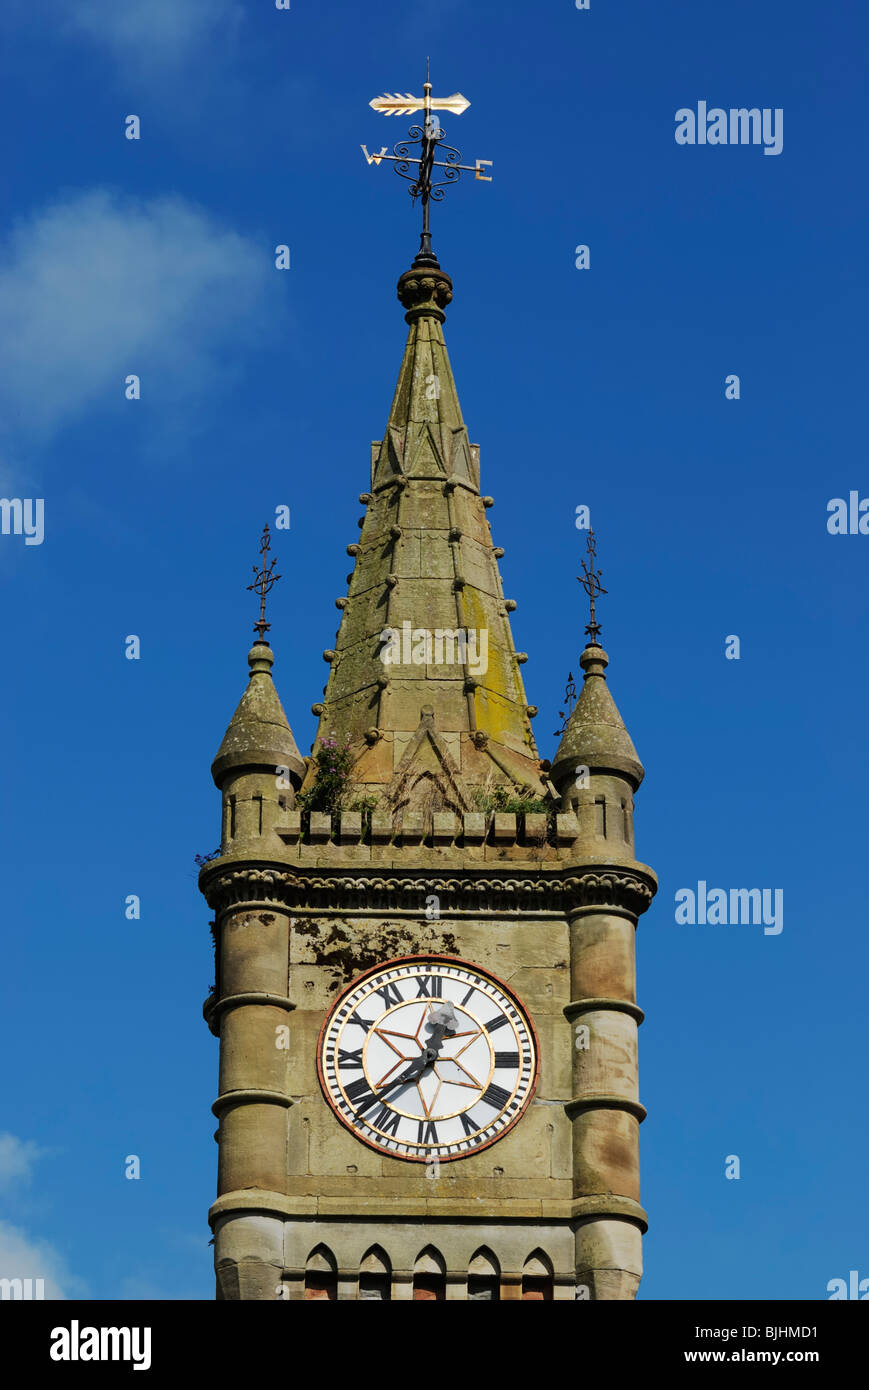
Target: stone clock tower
x,y
425,983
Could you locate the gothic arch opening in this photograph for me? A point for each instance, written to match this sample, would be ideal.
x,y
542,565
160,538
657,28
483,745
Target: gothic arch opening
x,y
537,1278
375,1276
429,1276
425,794
321,1275
484,1277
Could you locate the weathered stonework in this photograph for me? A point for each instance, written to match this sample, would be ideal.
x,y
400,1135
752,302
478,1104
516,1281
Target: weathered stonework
x,y
546,900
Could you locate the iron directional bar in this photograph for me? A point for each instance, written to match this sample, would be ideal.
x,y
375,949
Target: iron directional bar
x,y
428,136
436,164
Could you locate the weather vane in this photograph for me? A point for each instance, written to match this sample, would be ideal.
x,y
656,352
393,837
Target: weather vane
x,y
262,583
430,138
590,581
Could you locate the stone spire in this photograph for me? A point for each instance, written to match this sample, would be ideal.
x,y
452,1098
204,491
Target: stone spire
x,y
258,767
258,734
595,736
424,679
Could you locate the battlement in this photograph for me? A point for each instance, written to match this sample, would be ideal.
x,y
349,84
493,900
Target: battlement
x,y
476,834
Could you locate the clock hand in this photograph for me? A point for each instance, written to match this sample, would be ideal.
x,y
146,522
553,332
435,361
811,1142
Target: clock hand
x,y
446,1022
413,1071
443,1021
435,1042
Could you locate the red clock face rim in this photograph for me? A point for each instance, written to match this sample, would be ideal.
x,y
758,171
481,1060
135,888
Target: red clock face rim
x,y
409,960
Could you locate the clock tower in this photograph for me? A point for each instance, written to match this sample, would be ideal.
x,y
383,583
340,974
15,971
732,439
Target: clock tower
x,y
425,980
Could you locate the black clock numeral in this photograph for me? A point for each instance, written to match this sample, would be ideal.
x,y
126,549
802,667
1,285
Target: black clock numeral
x,y
427,1132
467,1125
496,1096
386,1120
503,1059
360,1022
497,1022
430,987
350,1060
468,995
390,994
360,1094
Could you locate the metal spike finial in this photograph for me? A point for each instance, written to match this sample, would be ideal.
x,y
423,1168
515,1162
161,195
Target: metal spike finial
x,y
264,579
429,136
590,581
569,701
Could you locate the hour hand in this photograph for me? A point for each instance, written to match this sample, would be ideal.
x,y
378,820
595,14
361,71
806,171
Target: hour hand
x,y
414,1070
441,1021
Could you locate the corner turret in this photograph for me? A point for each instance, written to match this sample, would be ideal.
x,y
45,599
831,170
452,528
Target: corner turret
x,y
258,767
596,769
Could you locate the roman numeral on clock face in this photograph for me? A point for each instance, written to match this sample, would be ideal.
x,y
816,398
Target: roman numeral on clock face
x,y
360,1022
360,1094
467,1125
430,987
502,1059
390,994
427,1132
351,1060
387,1120
497,1022
496,1096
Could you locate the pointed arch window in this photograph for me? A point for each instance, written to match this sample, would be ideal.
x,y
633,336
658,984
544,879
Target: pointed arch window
x,y
430,1277
484,1278
321,1275
375,1276
537,1278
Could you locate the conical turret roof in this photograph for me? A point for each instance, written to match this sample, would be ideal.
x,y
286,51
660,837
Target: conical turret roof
x,y
596,736
259,734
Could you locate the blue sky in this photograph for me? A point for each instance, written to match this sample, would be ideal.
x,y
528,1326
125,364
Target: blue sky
x,y
603,387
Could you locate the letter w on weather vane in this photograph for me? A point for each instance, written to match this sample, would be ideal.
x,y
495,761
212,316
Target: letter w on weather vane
x,y
430,139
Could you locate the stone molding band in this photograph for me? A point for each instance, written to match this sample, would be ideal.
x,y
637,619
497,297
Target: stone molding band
x,y
573,1108
590,909
249,1096
213,1008
610,1204
588,1006
631,890
598,1206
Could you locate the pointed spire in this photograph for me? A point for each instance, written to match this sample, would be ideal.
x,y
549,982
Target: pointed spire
x,y
259,734
425,564
596,736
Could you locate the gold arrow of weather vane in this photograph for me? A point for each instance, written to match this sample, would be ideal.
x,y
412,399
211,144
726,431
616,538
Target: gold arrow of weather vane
x,y
404,104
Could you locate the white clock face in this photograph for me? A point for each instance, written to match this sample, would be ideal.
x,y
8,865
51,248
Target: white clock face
x,y
428,1056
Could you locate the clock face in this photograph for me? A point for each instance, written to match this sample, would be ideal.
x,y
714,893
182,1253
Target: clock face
x,y
428,1056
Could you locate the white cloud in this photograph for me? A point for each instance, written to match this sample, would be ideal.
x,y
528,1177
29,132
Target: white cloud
x,y
154,32
97,287
17,1158
22,1257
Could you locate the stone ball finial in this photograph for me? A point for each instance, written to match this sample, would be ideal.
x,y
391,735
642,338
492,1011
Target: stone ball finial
x,y
260,657
594,660
425,291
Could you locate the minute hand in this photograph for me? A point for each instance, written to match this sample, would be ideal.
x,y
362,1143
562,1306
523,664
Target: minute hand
x,y
417,1069
429,1055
